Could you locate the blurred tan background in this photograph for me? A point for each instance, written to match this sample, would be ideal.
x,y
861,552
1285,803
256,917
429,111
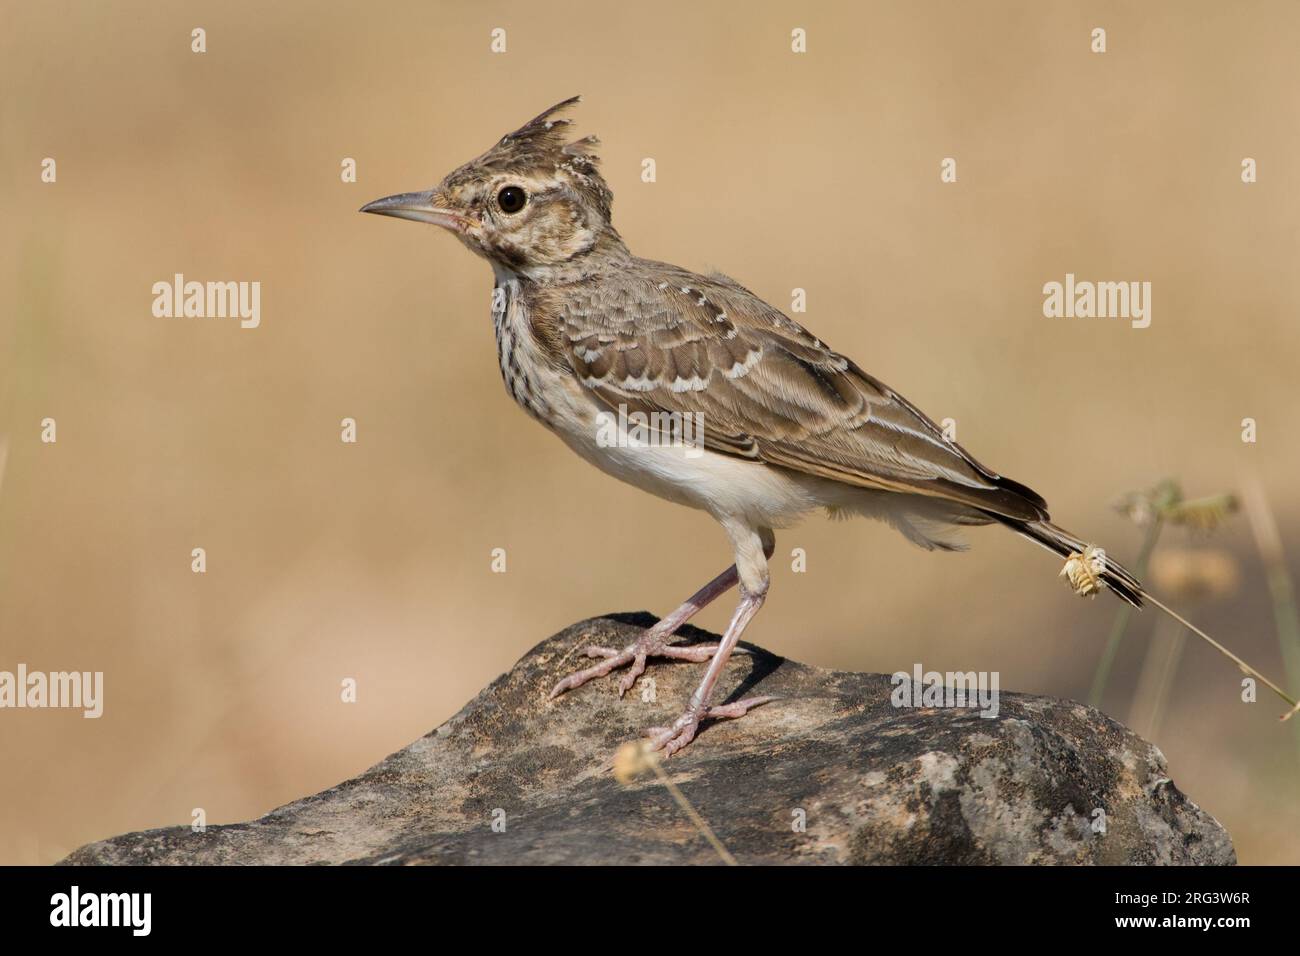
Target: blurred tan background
x,y
818,171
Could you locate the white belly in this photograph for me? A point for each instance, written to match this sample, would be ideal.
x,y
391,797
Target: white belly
x,y
685,474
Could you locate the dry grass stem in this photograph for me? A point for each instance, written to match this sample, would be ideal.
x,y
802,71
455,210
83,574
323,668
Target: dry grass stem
x,y
636,758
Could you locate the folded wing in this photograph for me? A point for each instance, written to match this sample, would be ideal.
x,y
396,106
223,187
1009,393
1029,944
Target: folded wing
x,y
661,339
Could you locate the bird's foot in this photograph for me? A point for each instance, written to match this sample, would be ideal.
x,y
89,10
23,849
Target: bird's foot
x,y
651,643
682,732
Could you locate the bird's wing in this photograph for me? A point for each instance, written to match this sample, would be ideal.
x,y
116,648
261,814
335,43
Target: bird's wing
x,y
660,339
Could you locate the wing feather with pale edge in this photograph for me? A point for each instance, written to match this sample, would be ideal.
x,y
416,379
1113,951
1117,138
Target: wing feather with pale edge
x,y
657,338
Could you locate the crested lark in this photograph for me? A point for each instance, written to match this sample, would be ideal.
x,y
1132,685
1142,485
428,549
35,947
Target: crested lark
x,y
587,332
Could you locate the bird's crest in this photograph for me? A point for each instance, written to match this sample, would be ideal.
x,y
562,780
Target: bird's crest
x,y
540,144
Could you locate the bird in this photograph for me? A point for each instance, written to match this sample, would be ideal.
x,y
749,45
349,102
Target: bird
x,y
694,389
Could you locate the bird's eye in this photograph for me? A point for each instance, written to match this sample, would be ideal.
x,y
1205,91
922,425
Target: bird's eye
x,y
511,199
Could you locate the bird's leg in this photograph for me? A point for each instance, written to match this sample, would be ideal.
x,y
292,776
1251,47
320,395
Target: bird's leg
x,y
653,642
752,550
682,732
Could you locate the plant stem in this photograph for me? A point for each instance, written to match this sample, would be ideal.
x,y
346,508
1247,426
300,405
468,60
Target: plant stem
x,y
692,814
1117,630
1269,541
1173,654
1241,665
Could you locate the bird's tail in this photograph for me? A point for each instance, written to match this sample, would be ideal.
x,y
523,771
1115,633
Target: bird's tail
x,y
1127,588
1060,542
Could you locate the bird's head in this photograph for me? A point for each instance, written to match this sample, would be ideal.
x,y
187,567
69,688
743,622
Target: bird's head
x,y
532,204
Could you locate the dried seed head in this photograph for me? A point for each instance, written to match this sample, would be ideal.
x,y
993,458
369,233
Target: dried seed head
x,y
1143,507
1203,514
1137,507
1165,502
631,760
1084,571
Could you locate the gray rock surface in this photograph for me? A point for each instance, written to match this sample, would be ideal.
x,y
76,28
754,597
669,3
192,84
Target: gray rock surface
x,y
877,784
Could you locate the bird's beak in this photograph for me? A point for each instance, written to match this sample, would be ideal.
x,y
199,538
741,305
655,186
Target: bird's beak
x,y
418,207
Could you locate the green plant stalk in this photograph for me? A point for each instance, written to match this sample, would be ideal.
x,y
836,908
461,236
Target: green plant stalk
x,y
1173,655
1287,620
1117,630
1263,526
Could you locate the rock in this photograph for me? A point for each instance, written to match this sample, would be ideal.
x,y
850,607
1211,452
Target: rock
x,y
877,784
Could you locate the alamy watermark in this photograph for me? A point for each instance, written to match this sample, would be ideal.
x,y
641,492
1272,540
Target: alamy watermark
x,y
1098,300
133,911
626,429
76,690
209,300
951,689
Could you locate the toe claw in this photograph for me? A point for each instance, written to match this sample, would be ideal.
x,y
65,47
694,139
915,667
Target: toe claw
x,y
578,678
630,678
691,652
739,709
672,739
649,644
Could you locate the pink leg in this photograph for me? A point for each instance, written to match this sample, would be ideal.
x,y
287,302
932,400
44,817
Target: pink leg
x,y
682,732
653,642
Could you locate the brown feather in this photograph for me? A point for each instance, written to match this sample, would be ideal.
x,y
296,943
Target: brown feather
x,y
657,338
